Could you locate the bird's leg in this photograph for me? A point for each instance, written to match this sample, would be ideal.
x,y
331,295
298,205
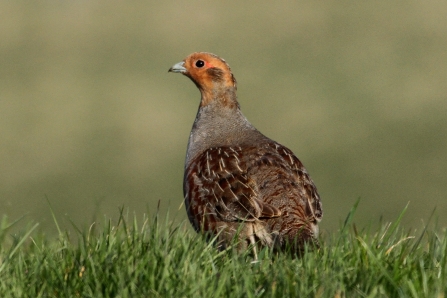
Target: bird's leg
x,y
253,242
250,232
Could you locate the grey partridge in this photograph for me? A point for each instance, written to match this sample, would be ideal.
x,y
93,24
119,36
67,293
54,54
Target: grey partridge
x,y
238,183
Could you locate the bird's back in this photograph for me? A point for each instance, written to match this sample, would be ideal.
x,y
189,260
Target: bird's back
x,y
264,185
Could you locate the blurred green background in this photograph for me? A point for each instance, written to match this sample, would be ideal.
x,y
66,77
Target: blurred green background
x,y
91,119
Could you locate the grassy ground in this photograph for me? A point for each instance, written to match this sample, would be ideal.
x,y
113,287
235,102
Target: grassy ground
x,y
159,259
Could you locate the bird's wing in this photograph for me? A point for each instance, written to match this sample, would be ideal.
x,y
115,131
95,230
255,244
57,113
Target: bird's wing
x,y
304,184
218,179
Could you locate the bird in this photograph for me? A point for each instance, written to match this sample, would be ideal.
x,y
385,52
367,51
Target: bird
x,y
240,186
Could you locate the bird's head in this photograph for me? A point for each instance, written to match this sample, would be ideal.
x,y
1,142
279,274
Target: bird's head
x,y
211,74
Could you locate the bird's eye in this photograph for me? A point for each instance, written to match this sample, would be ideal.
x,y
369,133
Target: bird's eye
x,y
200,63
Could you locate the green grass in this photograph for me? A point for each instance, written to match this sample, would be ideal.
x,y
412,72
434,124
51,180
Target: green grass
x,y
155,258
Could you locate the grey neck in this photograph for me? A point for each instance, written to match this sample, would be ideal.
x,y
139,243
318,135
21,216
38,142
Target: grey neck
x,y
216,125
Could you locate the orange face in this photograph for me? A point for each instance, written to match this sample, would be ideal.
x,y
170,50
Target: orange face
x,y
206,70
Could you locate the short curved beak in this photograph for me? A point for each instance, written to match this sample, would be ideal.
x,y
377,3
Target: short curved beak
x,y
179,67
